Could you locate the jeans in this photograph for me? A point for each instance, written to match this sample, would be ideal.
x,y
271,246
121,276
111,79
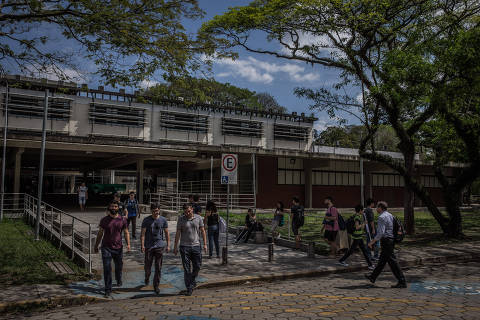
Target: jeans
x,y
213,233
376,246
192,261
357,243
107,255
153,254
387,255
134,224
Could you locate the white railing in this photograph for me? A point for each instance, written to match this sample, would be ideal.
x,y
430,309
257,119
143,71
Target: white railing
x,y
204,186
13,205
63,229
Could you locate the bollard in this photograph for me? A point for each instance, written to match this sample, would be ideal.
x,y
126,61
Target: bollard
x,y
311,250
270,252
224,255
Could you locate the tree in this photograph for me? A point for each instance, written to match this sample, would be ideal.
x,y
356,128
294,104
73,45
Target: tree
x,y
391,50
207,90
128,41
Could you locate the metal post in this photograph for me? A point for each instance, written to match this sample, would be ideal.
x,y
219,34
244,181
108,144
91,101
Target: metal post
x,y
254,169
42,162
178,182
5,128
225,259
211,176
362,184
270,252
89,248
60,231
73,237
51,223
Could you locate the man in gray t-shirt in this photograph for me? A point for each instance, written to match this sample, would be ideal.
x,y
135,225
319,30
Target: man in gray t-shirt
x,y
154,240
189,225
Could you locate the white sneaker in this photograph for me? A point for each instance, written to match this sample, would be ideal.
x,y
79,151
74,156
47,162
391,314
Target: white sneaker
x,y
343,263
371,267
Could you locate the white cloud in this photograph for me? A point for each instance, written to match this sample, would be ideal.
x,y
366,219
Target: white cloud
x,y
255,70
145,84
321,43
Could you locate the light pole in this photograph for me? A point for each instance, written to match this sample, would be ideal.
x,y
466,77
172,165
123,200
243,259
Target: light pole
x,y
42,162
4,158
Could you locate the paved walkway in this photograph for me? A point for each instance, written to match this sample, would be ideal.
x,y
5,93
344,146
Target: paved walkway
x,y
442,291
247,263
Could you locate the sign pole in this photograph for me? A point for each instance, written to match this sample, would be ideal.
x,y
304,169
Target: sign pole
x,y
42,164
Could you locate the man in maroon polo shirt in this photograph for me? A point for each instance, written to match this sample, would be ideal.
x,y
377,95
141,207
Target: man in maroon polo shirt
x,y
110,233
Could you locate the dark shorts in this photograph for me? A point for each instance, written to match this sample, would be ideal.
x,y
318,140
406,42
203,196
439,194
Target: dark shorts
x,y
330,235
295,228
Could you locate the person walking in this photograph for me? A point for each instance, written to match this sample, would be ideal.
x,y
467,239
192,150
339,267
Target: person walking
x,y
331,226
212,220
189,225
387,244
132,211
110,234
370,230
278,220
357,237
122,210
296,214
155,240
82,196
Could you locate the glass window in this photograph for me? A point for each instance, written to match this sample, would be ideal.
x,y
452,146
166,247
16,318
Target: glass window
x,y
288,177
281,177
331,178
281,163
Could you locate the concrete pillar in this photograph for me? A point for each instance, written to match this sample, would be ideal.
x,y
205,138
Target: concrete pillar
x,y
307,168
140,171
18,166
72,184
368,191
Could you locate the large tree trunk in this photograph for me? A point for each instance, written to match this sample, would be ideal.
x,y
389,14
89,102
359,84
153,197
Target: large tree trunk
x,y
408,197
452,202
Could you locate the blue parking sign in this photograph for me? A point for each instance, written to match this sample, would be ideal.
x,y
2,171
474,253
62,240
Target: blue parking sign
x,y
224,179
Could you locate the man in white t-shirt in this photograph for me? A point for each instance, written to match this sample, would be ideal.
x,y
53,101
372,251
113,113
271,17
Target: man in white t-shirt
x,y
82,196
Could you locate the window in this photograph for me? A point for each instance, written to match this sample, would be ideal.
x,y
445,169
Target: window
x,y
432,181
184,121
291,133
239,127
290,171
116,115
331,178
387,180
22,105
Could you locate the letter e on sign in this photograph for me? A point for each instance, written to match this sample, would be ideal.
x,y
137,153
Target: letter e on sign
x,y
229,168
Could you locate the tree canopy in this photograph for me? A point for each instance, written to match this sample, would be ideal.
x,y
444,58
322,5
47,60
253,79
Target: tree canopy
x,y
416,61
208,91
128,41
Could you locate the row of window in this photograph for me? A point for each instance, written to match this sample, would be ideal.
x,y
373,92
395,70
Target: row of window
x,y
22,105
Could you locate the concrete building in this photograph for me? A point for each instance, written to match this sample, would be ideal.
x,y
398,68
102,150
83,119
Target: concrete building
x,y
109,137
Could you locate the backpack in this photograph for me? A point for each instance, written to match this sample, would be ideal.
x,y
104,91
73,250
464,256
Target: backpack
x,y
222,225
301,216
350,225
341,222
398,230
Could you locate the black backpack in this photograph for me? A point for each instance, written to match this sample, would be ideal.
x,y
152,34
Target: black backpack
x,y
341,222
398,230
350,225
301,216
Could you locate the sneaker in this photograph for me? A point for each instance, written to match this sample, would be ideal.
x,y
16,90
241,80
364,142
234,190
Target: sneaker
x,y
343,263
400,285
147,281
119,283
371,267
157,290
107,295
369,277
188,292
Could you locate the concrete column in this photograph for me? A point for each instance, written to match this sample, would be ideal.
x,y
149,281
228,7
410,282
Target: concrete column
x,y
307,168
18,166
140,171
72,184
367,179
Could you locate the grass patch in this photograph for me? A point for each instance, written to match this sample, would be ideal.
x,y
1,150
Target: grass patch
x,y
23,259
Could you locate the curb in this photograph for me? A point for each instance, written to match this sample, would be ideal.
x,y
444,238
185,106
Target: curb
x,y
65,301
333,270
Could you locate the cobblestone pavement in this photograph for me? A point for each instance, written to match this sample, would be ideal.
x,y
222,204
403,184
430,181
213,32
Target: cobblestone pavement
x,y
448,291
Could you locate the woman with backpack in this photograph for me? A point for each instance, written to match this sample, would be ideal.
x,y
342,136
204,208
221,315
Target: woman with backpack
x,y
212,220
278,220
356,227
331,226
